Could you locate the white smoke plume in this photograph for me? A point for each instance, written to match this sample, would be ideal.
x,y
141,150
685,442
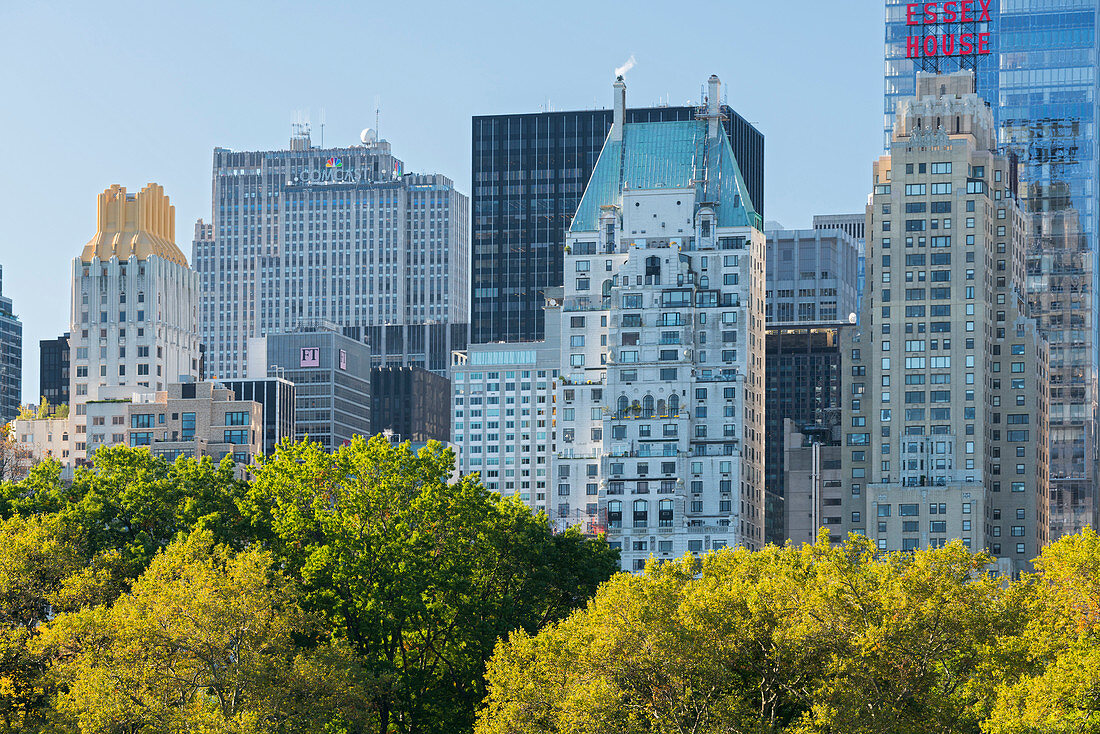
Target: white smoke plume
x,y
619,71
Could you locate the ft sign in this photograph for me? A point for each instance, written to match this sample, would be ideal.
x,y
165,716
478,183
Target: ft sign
x,y
946,44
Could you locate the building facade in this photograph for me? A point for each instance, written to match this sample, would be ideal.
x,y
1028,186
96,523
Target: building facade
x,y
855,226
53,363
812,276
276,398
11,358
134,317
946,429
804,381
812,476
503,419
529,172
660,400
1040,74
339,235
331,377
195,419
44,438
411,403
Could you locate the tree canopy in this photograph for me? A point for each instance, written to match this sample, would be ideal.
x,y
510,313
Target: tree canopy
x,y
821,638
351,591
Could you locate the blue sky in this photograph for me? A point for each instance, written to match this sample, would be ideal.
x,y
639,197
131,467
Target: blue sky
x,y
129,92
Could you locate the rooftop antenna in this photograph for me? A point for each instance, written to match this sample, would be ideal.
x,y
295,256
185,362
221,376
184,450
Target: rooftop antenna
x,y
322,127
377,114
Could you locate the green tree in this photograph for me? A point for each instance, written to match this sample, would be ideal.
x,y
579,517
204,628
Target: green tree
x,y
1058,690
813,639
207,640
418,576
134,502
43,568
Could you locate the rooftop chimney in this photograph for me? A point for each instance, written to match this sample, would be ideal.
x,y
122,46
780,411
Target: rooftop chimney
x,y
714,88
620,109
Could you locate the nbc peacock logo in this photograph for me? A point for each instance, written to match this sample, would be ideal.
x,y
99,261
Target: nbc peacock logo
x,y
334,163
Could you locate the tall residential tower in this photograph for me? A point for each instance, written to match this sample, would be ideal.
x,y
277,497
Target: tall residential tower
x,y
1036,64
946,424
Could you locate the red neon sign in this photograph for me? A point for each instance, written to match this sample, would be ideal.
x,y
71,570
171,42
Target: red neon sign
x,y
947,44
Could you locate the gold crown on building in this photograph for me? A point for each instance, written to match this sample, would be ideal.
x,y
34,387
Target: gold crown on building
x,y
140,225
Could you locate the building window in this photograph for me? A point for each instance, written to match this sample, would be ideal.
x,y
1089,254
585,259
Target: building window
x,y
236,436
235,419
141,420
187,426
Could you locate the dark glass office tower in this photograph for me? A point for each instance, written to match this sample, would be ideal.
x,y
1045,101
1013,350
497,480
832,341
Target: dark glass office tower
x,y
529,172
411,402
1041,80
53,370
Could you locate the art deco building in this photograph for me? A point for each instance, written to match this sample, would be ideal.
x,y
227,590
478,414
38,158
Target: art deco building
x,y
660,410
1040,77
134,308
333,235
946,424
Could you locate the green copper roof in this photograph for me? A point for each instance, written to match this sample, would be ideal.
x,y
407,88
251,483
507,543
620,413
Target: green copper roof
x,y
655,155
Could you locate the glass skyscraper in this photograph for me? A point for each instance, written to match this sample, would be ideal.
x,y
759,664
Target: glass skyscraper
x,y
11,358
1040,78
529,172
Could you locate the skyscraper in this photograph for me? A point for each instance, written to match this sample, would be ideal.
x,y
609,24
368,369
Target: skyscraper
x,y
1038,70
661,391
134,308
11,358
529,171
946,428
339,235
812,275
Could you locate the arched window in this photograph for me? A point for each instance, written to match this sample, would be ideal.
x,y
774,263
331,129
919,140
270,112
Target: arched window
x,y
641,513
647,406
664,514
623,405
673,404
607,288
614,514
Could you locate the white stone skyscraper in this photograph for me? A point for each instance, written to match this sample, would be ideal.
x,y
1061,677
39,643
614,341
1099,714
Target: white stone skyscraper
x,y
333,237
134,310
660,409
